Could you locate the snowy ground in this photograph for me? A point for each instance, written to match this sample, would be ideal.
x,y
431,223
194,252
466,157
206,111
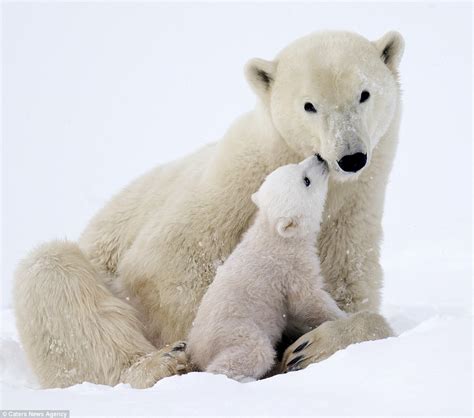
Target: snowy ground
x,y
426,370
95,94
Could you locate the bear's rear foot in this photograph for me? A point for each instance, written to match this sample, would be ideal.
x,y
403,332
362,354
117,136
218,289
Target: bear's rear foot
x,y
150,368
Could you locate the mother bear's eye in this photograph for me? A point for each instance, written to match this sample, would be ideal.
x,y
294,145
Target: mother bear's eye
x,y
307,181
309,107
364,96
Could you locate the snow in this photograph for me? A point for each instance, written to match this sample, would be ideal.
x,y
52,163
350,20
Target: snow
x,y
424,371
94,106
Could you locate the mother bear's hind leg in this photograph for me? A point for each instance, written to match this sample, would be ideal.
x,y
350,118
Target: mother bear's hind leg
x,y
74,330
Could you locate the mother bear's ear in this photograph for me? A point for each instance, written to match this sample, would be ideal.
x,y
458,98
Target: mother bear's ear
x,y
260,75
391,47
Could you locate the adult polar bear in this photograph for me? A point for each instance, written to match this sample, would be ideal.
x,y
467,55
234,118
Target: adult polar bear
x,y
111,308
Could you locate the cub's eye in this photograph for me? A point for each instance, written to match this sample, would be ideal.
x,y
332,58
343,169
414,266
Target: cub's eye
x,y
364,96
307,181
309,107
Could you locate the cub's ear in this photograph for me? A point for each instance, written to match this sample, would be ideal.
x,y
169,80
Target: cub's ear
x,y
391,47
260,75
286,227
254,198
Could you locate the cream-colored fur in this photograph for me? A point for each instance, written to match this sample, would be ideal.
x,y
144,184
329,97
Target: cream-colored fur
x,y
156,245
271,283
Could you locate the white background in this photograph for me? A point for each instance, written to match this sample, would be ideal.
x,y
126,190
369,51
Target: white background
x,y
95,94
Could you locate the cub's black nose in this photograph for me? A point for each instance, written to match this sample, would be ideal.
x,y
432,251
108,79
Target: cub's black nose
x,y
353,163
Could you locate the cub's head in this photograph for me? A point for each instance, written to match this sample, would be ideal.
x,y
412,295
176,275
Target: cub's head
x,y
332,93
292,197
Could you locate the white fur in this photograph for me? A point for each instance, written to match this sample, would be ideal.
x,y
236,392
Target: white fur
x,y
156,245
271,283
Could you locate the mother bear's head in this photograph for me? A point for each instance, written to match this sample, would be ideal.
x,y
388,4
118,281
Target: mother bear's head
x,y
334,93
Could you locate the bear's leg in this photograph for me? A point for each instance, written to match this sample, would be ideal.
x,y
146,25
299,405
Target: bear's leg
x,y
312,308
332,336
253,359
74,330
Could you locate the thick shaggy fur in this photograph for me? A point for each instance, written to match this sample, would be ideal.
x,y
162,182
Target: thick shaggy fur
x,y
150,254
271,284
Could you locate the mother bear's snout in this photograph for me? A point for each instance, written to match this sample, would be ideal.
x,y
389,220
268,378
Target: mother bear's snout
x,y
353,162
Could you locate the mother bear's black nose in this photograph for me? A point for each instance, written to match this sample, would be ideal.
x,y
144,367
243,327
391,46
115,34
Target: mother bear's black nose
x,y
353,163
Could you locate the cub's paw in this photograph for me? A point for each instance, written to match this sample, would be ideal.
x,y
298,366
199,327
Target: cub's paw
x,y
150,368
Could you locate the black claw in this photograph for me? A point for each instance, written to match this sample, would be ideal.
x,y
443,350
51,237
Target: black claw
x,y
294,361
179,347
300,347
295,367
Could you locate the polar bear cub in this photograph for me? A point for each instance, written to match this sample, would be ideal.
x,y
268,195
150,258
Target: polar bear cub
x,y
271,283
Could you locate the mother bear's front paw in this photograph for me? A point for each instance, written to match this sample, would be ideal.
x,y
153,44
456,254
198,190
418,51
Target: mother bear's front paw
x,y
332,336
312,347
